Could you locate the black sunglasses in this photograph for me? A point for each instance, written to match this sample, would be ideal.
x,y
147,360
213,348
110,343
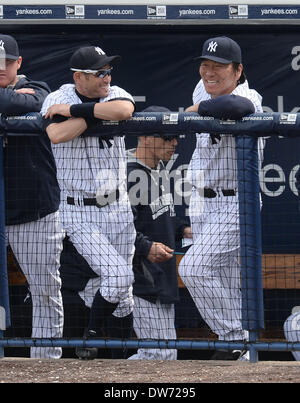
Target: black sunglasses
x,y
97,73
103,73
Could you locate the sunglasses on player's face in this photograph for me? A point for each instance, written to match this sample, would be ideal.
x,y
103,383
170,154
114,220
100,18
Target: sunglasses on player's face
x,y
103,73
97,73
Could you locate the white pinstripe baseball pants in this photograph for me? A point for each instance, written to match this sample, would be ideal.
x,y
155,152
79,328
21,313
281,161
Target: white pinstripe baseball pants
x,y
105,238
210,269
37,246
292,331
156,322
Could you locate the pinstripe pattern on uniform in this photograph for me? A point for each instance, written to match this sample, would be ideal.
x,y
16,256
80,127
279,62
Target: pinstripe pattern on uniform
x,y
210,268
101,169
103,236
158,320
37,246
292,331
218,161
106,240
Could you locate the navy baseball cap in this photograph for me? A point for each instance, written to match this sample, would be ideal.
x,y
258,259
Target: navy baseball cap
x,y
165,136
221,49
8,47
91,58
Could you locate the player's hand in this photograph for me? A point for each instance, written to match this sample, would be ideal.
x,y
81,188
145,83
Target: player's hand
x,y
192,108
58,109
159,253
25,91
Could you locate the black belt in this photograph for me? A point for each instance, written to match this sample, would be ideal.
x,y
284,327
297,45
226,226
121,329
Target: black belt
x,y
210,193
100,201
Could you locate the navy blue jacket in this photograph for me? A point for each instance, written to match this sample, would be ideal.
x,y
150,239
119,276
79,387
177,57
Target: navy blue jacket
x,y
155,222
31,188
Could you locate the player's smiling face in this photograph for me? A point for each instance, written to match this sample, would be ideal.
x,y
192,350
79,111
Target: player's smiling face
x,y
92,86
218,78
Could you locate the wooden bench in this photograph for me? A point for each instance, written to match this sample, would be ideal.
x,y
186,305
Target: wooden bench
x,y
14,273
279,271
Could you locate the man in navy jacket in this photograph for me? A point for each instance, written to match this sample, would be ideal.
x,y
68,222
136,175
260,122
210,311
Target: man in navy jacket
x,y
31,195
155,287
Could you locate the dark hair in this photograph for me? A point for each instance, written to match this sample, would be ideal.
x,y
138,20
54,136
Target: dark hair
x,y
243,77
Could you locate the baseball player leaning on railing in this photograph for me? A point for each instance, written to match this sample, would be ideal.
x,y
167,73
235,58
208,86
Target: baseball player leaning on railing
x,y
210,269
95,210
32,199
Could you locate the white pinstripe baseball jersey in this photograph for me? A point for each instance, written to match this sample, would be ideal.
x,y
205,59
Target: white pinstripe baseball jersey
x,y
83,166
88,167
218,161
210,269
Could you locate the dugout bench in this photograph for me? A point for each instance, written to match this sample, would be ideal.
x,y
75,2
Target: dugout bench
x,y
281,283
279,271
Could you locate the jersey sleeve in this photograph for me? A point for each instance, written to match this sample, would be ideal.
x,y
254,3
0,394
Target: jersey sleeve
x,y
244,91
52,99
199,93
64,95
117,93
49,101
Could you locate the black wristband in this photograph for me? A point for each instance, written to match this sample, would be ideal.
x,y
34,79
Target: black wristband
x,y
84,110
92,121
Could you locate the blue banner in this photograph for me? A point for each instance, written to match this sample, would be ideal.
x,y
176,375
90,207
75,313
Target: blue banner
x,y
150,12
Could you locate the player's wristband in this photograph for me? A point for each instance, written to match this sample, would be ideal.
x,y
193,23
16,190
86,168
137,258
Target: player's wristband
x,y
84,110
92,121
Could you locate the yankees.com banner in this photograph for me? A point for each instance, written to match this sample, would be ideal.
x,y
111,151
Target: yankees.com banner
x,y
157,68
150,12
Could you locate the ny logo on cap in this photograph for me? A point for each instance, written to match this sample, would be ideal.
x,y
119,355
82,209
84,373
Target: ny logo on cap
x,y
1,45
212,46
99,51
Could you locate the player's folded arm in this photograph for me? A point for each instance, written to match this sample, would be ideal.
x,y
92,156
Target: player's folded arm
x,y
115,109
55,119
14,103
61,129
232,107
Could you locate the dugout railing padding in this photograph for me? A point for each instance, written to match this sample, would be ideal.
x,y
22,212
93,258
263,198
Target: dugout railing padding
x,y
246,131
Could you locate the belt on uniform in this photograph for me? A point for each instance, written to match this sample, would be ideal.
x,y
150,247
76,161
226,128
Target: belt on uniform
x,y
210,193
99,201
